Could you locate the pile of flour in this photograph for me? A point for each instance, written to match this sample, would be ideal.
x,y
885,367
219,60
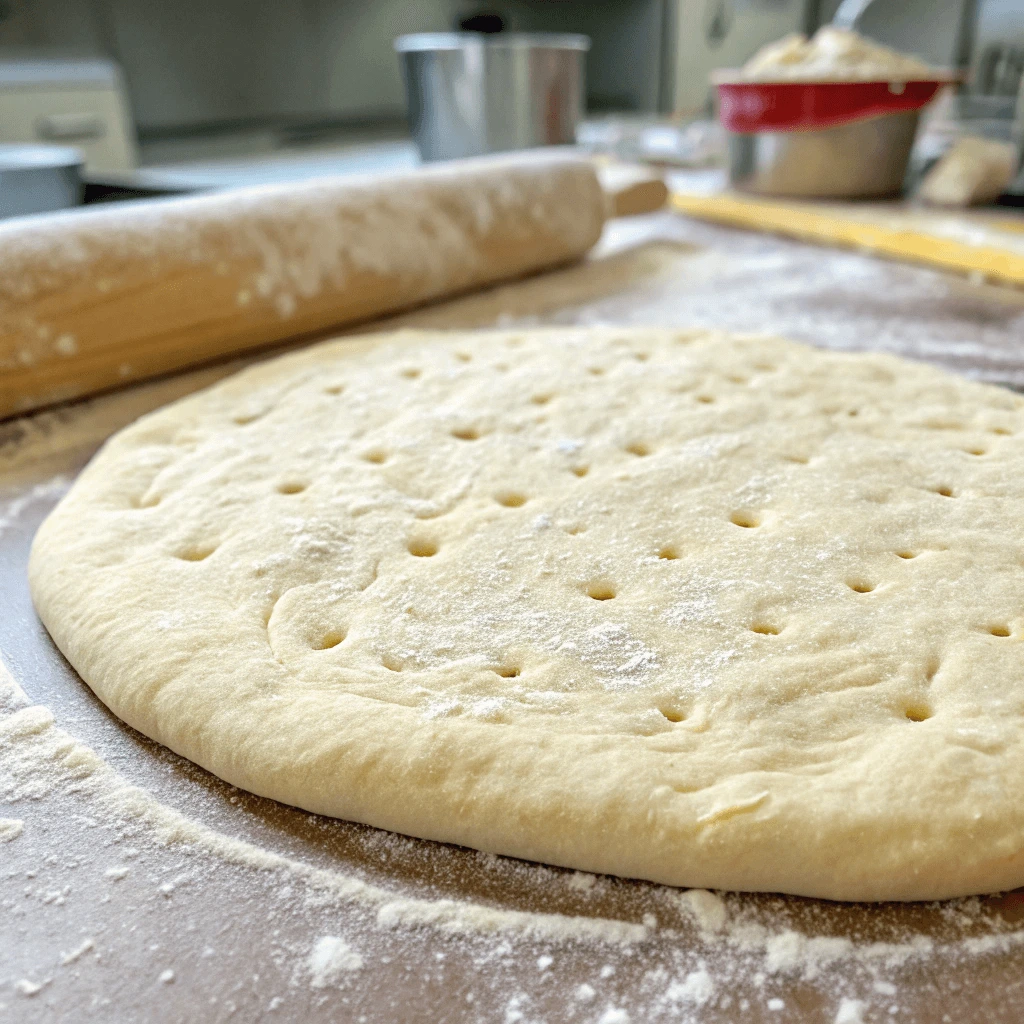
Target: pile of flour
x,y
832,55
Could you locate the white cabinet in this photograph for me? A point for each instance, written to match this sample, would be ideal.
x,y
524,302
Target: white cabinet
x,y
78,103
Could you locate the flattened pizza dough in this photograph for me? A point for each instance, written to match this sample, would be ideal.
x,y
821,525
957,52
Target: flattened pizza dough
x,y
712,611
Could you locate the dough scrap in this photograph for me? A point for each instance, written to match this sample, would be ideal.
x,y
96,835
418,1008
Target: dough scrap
x,y
721,612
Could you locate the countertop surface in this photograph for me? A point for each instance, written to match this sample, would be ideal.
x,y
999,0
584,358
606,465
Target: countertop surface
x,y
136,887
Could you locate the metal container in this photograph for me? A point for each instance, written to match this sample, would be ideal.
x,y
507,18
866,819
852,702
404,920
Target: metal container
x,y
858,160
470,94
38,179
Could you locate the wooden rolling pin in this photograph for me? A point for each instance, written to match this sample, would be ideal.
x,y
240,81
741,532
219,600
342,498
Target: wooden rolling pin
x,y
117,294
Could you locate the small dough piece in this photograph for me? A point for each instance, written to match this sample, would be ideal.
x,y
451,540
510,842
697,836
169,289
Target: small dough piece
x,y
722,612
972,172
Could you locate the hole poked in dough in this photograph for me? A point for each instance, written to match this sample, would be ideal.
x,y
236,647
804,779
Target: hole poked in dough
x,y
600,590
329,640
672,714
859,585
765,629
669,552
907,553
196,552
466,433
511,499
375,455
746,519
423,547
508,671
638,448
580,471
917,712
411,372
334,389
945,491
291,487
999,629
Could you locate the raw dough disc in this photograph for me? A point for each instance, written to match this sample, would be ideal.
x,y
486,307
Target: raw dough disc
x,y
712,611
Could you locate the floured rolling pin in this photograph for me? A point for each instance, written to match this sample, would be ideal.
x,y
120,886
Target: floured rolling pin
x,y
104,297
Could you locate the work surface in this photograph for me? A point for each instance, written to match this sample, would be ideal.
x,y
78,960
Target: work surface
x,y
135,887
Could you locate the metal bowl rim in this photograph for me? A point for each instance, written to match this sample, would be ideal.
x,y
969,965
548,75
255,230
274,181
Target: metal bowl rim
x,y
425,42
819,128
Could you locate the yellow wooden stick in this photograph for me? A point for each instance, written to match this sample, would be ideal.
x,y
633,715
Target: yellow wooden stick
x,y
832,226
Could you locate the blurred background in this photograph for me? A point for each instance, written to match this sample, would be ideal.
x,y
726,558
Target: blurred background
x,y
201,93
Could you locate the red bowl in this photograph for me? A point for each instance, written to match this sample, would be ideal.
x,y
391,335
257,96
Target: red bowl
x,y
748,107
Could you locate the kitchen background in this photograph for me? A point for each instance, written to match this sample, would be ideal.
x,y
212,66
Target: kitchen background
x,y
217,91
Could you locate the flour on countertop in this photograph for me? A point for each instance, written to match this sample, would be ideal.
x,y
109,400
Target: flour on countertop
x,y
49,489
330,960
697,987
851,1011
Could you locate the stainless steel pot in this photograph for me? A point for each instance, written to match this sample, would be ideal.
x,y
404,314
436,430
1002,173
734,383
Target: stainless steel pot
x,y
470,94
37,179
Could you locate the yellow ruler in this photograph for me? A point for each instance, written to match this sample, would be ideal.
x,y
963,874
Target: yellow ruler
x,y
977,244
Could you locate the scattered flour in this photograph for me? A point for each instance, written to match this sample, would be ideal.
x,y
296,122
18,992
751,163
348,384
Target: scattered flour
x,y
851,1011
11,510
330,960
456,916
581,880
698,987
707,910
